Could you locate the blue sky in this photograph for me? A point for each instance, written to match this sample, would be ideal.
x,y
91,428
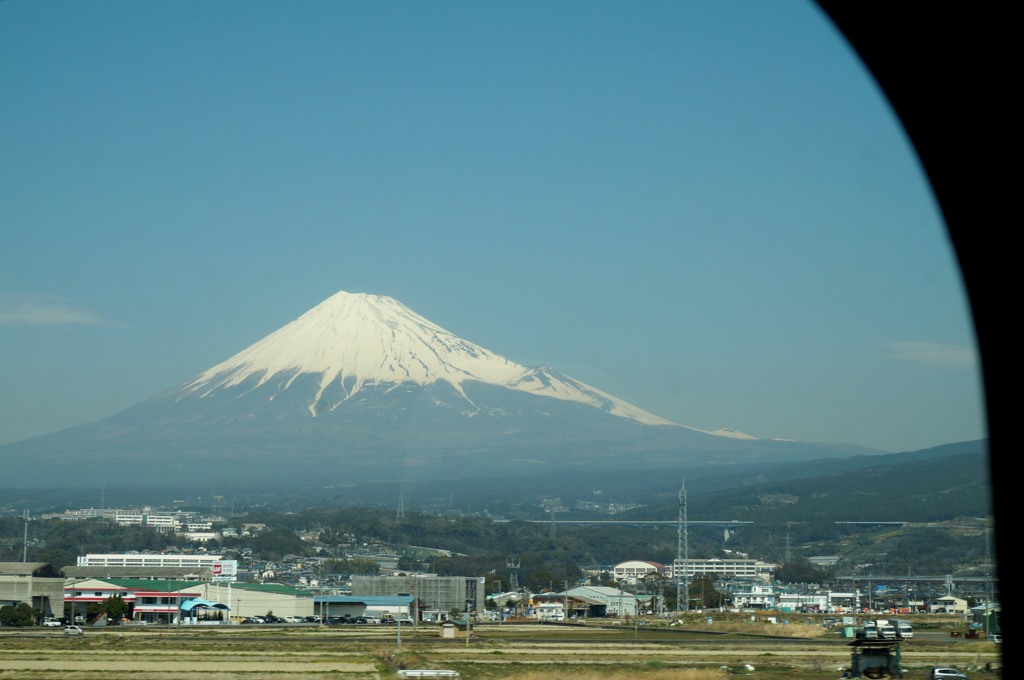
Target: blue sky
x,y
704,208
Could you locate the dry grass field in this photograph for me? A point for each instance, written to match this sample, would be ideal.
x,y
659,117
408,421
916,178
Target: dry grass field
x,y
518,652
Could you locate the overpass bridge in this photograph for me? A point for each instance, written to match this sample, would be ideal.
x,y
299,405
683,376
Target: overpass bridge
x,y
726,525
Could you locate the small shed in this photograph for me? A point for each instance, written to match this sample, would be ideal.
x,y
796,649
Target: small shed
x,y
875,659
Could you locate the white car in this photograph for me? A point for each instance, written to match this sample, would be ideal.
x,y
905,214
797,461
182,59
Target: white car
x,y
52,623
946,674
73,631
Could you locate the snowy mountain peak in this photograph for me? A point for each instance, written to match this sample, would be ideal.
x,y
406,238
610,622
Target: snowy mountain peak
x,y
354,340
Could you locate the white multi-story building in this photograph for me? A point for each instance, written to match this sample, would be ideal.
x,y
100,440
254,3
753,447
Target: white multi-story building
x,y
161,521
732,568
145,518
766,596
755,597
800,601
145,560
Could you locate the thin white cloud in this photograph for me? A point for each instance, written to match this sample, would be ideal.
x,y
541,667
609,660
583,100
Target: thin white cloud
x,y
42,311
933,354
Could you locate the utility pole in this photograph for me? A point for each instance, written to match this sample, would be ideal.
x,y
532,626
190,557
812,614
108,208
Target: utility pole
x,y
513,566
682,553
24,541
789,555
565,610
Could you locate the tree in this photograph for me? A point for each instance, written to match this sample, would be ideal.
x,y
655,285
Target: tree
x,y
115,608
655,583
19,615
275,543
704,593
799,571
362,566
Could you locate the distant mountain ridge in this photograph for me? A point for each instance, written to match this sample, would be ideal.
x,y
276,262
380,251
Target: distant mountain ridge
x,y
362,388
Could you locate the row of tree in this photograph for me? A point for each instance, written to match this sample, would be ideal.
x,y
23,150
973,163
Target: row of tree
x,y
22,614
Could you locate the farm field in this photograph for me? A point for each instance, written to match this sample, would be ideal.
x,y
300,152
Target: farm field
x,y
518,652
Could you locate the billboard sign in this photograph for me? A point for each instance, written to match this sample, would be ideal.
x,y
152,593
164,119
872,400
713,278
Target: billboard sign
x,y
225,570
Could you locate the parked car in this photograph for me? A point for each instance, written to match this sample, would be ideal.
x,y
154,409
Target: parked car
x,y
946,674
996,638
53,623
73,631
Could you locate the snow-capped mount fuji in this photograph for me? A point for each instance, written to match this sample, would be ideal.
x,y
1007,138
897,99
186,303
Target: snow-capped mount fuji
x,y
355,340
362,388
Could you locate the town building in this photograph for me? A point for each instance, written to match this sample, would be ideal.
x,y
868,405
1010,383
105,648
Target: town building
x,y
440,595
754,596
947,604
260,599
155,601
148,601
151,573
147,560
615,601
550,611
728,568
633,571
177,521
38,584
794,601
399,607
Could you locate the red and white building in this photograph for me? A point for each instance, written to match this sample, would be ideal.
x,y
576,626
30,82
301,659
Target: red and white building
x,y
148,600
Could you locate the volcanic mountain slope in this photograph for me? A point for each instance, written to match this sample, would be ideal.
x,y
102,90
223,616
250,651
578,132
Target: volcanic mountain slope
x,y
361,387
351,342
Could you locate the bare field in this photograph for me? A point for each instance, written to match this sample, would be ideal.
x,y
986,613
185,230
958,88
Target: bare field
x,y
518,652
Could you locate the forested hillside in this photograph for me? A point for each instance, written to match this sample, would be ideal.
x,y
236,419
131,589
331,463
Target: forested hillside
x,y
920,513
